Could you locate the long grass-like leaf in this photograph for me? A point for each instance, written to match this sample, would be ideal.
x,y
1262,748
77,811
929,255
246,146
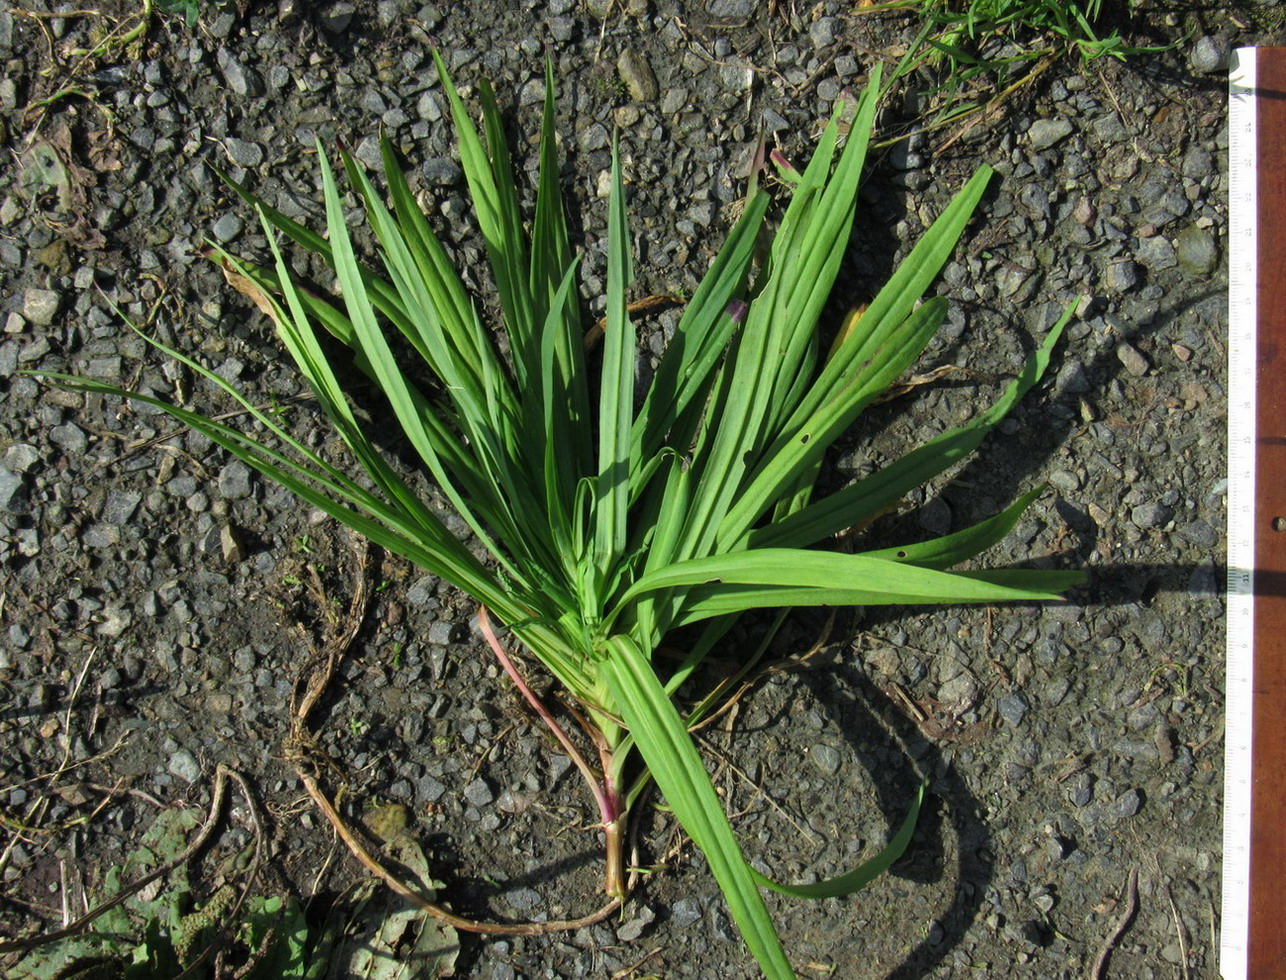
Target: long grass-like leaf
x,y
864,874
663,741
616,397
871,495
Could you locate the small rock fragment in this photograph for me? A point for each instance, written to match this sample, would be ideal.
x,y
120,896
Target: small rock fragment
x,y
184,765
1044,133
638,77
1122,276
1153,514
1013,708
1133,361
230,545
234,481
40,306
1195,251
825,758
633,929
1209,55
336,18
1127,804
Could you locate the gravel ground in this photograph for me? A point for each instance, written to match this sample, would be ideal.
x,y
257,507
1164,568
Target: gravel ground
x,y
151,586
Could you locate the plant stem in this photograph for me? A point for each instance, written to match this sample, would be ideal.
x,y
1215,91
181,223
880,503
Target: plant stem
x,y
607,798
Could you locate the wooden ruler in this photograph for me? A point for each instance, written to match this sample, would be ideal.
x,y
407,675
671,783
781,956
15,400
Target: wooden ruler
x,y
1253,935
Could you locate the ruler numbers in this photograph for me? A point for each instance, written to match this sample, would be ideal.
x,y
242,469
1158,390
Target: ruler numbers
x,y
1239,678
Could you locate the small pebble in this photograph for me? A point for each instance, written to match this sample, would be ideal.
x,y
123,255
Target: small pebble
x,y
479,793
685,912
1209,55
1044,133
635,928
825,758
1153,514
1013,708
638,77
184,765
1195,251
1127,804
40,306
1133,361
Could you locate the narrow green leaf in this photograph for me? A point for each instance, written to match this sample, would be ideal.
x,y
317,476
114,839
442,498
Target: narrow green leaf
x,y
871,495
864,874
773,577
951,549
616,396
663,741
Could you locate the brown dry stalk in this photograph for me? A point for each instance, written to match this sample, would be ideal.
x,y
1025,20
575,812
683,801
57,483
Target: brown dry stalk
x,y
307,757
1123,923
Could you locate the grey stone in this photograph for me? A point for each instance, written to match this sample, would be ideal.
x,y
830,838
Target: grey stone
x,y
935,516
674,100
1200,533
40,306
1133,361
423,589
1127,804
823,31
523,899
685,912
479,793
732,10
71,437
1152,514
825,758
1209,55
594,137
1109,128
1156,253
440,633
234,481
20,457
635,928
961,689
441,171
336,18
1195,251
429,790
1198,162
228,228
104,368
1122,276
116,620
1044,133
1013,708
120,506
1072,379
638,76
241,80
242,152
184,765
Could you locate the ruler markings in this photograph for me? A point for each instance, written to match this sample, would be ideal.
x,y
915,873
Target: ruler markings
x,y
1253,941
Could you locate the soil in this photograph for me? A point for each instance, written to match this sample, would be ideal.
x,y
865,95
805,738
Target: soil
x,y
159,600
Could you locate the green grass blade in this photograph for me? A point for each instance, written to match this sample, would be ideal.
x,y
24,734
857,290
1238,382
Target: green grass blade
x,y
551,258
494,201
775,577
952,549
616,397
701,337
864,874
662,739
870,496
806,438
